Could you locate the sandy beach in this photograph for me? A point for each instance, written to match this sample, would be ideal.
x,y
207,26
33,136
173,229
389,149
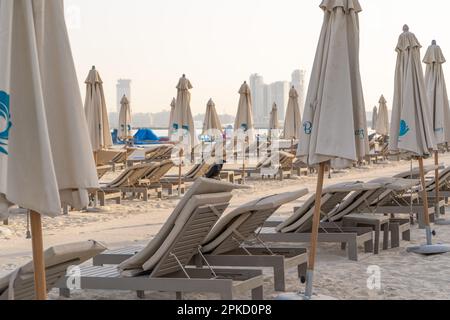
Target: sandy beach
x,y
403,275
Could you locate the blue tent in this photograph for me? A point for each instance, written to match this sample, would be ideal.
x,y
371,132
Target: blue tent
x,y
145,136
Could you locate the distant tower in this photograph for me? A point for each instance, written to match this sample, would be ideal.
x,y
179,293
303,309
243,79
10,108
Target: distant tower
x,y
299,83
257,88
123,88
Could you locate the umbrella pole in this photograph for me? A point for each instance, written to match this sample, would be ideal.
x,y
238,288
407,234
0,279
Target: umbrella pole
x,y
179,172
425,203
243,164
315,233
292,151
436,162
38,256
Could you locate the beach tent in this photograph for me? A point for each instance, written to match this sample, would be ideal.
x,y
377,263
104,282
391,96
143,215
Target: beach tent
x,y
145,136
41,166
334,121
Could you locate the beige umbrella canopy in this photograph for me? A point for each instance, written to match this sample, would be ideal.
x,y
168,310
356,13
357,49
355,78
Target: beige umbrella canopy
x,y
172,113
183,122
437,93
96,112
292,123
125,119
382,125
334,122
411,127
374,118
244,117
45,155
212,121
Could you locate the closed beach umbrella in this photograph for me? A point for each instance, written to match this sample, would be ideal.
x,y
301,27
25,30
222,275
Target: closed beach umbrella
x,y
438,99
374,118
334,122
244,117
212,121
97,113
411,127
183,122
293,121
274,123
172,112
45,154
382,126
125,119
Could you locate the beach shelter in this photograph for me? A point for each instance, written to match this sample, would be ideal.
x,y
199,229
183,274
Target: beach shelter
x,y
382,125
334,121
438,100
97,113
374,118
41,166
172,111
412,127
125,119
293,120
243,125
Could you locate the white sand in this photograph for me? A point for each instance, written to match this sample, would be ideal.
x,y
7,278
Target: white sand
x,y
403,275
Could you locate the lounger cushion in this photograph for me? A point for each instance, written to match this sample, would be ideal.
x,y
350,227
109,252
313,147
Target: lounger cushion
x,y
233,220
201,186
62,255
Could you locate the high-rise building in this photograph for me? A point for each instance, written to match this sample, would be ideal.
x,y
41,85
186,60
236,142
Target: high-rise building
x,y
299,83
279,94
258,96
123,88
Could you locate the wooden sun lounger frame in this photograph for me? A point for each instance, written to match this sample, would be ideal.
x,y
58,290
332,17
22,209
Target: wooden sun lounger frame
x,y
171,273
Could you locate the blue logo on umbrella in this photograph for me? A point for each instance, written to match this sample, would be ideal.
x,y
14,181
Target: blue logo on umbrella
x,y
5,114
308,127
244,127
404,128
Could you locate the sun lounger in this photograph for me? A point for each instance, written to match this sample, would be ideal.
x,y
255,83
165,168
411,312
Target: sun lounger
x,y
197,171
228,244
102,170
163,264
129,182
297,228
20,284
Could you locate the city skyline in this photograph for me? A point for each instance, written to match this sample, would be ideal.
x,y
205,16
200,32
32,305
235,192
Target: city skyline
x,y
268,37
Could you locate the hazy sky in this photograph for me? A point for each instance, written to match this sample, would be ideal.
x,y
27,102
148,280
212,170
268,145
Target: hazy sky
x,y
218,44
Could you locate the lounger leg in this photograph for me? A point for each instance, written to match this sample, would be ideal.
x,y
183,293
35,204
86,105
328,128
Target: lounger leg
x,y
279,278
407,235
64,292
159,192
140,294
395,236
258,294
145,195
302,272
118,200
179,296
101,198
386,236
170,190
377,239
368,246
228,294
353,250
6,222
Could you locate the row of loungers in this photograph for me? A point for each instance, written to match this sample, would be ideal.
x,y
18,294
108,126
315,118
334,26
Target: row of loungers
x,y
196,240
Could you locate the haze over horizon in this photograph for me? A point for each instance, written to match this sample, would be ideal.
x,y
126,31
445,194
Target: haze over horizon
x,y
219,44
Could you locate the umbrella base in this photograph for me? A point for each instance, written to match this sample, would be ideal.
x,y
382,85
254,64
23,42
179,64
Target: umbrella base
x,y
429,250
301,297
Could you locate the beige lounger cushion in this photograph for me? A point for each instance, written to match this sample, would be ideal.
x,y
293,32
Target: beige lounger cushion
x,y
233,220
397,184
62,255
306,212
106,156
200,187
